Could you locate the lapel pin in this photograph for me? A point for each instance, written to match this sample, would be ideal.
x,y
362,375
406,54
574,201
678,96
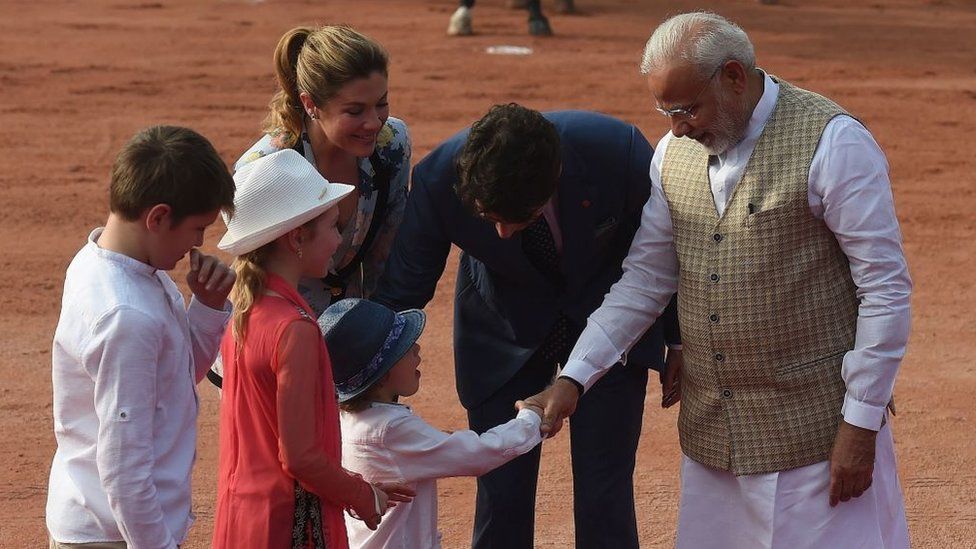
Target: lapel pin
x,y
586,203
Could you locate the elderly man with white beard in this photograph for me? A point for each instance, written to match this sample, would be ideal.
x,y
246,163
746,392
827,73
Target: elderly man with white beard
x,y
771,214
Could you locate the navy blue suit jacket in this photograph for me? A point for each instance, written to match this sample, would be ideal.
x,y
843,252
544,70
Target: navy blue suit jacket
x,y
503,306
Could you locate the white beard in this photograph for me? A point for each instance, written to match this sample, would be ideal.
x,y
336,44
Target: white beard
x,y
729,126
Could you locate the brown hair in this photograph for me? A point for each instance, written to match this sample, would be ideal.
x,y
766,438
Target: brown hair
x,y
318,62
169,165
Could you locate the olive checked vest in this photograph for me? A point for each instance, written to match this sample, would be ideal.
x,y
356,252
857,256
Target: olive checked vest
x,y
766,302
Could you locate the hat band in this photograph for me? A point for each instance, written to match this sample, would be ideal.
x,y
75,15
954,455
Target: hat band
x,y
364,375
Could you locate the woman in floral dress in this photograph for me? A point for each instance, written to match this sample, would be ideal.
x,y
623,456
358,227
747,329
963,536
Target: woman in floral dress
x,y
332,107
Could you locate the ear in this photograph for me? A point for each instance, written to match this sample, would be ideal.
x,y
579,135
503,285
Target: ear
x,y
308,106
736,76
295,238
159,217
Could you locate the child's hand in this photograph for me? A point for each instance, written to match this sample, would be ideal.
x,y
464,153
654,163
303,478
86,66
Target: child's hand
x,y
523,405
209,279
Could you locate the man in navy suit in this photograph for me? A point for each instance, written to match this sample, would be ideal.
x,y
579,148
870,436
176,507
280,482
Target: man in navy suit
x,y
543,207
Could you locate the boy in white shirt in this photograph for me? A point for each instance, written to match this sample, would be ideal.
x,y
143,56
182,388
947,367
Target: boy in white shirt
x,y
375,356
128,352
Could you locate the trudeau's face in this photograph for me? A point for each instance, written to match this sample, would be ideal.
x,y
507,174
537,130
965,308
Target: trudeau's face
x,y
506,229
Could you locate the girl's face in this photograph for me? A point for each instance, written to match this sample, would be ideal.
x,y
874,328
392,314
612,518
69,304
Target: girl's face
x,y
353,118
318,250
404,378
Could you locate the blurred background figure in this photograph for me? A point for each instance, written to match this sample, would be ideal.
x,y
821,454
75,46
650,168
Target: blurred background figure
x,y
460,23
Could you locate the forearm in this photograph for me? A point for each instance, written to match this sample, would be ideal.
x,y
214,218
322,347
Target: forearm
x,y
649,280
870,369
327,479
206,330
422,452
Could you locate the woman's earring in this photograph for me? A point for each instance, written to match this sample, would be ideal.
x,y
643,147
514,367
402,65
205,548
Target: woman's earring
x,y
312,114
299,252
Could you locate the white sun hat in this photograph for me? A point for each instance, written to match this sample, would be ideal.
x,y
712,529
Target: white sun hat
x,y
275,194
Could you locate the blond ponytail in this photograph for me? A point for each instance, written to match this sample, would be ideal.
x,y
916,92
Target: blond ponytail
x,y
250,284
318,62
285,117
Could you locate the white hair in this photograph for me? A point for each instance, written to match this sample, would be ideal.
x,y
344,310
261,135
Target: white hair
x,y
704,40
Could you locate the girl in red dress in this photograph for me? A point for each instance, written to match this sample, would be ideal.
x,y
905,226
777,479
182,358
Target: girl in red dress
x,y
280,482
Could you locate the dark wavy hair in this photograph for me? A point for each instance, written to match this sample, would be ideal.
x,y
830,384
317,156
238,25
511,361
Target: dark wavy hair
x,y
509,165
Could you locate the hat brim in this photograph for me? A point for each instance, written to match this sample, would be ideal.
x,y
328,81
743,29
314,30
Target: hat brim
x,y
236,244
414,322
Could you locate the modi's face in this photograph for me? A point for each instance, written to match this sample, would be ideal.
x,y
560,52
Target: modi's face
x,y
700,107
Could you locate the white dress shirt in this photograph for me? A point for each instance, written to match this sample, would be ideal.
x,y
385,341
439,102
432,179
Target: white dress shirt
x,y
849,189
388,443
127,356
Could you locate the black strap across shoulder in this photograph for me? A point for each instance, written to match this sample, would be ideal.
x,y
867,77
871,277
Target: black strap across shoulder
x,y
381,185
383,176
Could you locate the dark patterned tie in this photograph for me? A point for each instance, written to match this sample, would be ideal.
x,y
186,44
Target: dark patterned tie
x,y
540,249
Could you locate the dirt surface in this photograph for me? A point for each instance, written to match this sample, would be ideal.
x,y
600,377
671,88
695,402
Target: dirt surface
x,y
77,80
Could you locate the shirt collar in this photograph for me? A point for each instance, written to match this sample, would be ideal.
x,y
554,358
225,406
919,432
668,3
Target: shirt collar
x,y
129,263
764,109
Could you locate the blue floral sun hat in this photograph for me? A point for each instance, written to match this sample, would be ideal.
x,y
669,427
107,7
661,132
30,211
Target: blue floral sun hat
x,y
365,340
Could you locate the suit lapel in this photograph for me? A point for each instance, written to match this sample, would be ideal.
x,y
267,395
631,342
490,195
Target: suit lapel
x,y
576,222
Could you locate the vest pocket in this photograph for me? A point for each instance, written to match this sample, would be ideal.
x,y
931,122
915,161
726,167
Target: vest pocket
x,y
792,370
765,216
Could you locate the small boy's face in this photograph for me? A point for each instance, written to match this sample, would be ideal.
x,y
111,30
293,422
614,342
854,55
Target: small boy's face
x,y
170,242
404,377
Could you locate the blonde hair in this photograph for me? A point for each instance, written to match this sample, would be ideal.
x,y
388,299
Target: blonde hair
x,y
252,279
249,285
318,62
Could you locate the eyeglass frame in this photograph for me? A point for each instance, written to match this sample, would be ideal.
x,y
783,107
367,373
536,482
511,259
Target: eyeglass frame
x,y
686,112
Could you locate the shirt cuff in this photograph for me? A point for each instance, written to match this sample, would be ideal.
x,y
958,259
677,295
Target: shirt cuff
x,y
862,414
202,316
674,346
581,372
530,416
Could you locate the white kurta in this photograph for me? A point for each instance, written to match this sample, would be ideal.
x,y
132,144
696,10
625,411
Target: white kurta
x,y
791,509
388,443
850,191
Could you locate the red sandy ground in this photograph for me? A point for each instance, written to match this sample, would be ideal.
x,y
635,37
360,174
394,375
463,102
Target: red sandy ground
x,y
77,80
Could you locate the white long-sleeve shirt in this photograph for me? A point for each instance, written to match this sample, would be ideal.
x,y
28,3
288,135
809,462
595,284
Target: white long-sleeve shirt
x,y
127,356
388,443
849,190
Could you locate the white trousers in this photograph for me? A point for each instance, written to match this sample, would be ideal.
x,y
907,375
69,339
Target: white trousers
x,y
790,509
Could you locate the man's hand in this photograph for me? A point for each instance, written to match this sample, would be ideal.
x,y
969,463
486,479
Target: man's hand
x,y
851,462
671,388
209,280
558,401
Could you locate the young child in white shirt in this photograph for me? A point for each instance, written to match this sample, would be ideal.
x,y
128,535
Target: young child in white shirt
x,y
375,356
128,352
